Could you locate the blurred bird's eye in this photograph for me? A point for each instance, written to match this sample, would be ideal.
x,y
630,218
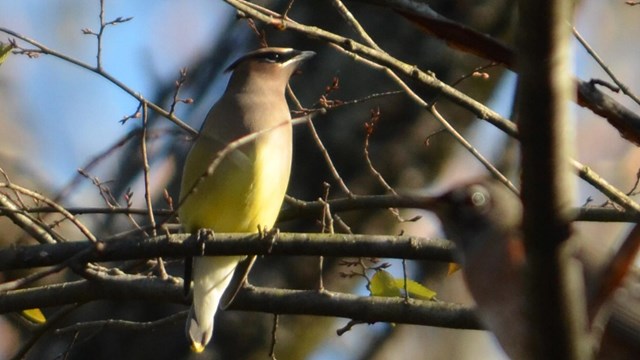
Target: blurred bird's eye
x,y
479,198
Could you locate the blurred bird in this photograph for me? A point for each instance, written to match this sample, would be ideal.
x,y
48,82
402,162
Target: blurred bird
x,y
244,192
483,219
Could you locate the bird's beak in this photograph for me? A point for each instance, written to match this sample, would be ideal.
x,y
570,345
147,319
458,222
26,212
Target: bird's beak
x,y
299,58
305,55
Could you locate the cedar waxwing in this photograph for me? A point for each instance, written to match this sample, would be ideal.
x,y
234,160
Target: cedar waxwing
x,y
483,219
247,188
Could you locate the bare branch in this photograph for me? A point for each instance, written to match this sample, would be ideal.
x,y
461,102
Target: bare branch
x,y
463,38
361,308
425,78
45,50
557,317
180,245
276,301
625,89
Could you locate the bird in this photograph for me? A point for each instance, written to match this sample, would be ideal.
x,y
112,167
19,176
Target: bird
x,y
245,191
483,219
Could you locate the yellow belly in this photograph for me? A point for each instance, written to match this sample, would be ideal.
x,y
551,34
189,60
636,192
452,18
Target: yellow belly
x,y
245,191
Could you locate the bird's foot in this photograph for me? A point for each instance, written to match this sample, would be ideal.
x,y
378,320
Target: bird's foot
x,y
160,270
268,235
201,237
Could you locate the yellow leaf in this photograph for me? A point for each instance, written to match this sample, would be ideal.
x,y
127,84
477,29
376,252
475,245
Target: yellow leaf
x,y
34,315
416,290
383,284
5,50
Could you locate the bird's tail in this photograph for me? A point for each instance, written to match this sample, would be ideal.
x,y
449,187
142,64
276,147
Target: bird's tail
x,y
211,276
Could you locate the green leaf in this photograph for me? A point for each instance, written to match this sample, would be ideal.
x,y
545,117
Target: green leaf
x,y
383,284
416,290
5,50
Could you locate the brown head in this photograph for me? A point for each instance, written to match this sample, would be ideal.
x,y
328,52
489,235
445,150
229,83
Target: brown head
x,y
272,65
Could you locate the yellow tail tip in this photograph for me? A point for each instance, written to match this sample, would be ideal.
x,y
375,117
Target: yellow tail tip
x,y
197,337
197,347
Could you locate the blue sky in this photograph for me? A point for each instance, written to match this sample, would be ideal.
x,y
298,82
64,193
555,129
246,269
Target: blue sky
x,y
74,113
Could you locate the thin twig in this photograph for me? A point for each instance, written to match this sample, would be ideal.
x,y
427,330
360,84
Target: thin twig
x,y
431,108
333,104
124,324
353,22
285,13
625,89
96,160
613,193
176,99
38,333
369,127
341,331
404,278
99,36
146,169
83,229
369,130
425,78
327,227
274,331
48,51
42,233
103,190
321,147
477,72
473,151
90,210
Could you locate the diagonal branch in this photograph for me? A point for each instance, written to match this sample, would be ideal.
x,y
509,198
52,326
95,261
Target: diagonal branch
x,y
461,37
97,70
427,79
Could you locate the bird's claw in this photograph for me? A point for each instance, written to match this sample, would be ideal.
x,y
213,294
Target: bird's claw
x,y
268,235
201,237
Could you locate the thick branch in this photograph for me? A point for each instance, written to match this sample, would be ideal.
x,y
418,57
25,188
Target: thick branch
x,y
180,245
277,301
366,309
557,316
127,287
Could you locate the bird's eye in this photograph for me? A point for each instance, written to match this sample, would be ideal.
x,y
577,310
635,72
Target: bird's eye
x,y
478,197
272,57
